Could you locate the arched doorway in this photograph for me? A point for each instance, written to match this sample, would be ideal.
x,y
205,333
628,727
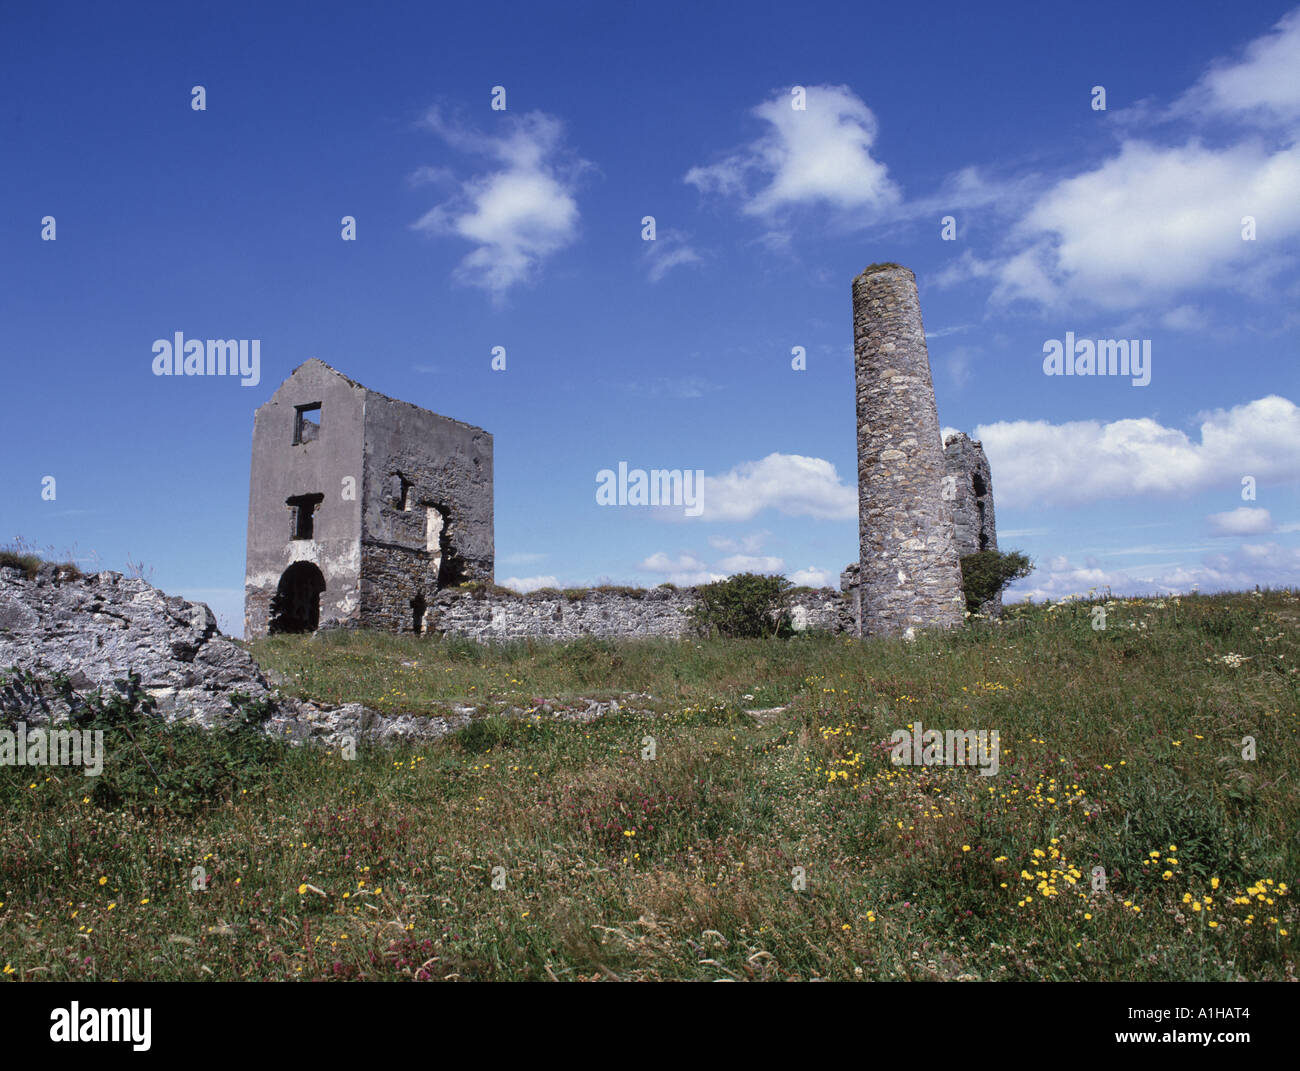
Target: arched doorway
x,y
296,606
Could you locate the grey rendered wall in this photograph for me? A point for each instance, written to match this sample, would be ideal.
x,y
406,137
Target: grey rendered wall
x,y
280,469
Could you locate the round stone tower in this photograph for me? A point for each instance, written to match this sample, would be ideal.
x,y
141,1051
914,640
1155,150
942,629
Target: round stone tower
x,y
910,576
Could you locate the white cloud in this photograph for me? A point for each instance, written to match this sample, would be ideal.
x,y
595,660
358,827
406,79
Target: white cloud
x,y
795,485
686,570
525,584
944,332
820,155
747,544
1241,521
669,250
812,577
964,267
659,562
1262,83
958,363
1183,318
752,563
1265,564
1039,463
1152,222
517,215
431,176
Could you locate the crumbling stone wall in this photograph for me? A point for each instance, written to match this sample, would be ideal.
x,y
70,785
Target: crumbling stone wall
x,y
969,485
496,614
910,576
427,519
819,610
970,489
851,588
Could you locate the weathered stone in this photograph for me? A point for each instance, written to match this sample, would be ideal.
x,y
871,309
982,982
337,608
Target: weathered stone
x,y
98,628
393,554
909,576
498,614
361,508
969,485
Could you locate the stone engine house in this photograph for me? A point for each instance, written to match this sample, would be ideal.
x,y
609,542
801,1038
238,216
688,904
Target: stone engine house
x,y
361,508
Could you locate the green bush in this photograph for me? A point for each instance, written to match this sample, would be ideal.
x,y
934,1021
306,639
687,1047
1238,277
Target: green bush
x,y
150,765
985,574
744,605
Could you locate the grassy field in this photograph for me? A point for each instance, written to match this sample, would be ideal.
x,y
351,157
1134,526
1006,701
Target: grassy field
x,y
1121,749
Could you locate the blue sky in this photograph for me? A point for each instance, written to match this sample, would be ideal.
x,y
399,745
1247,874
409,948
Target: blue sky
x,y
522,228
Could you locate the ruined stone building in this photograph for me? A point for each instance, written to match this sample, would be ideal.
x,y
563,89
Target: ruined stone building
x,y
369,512
361,508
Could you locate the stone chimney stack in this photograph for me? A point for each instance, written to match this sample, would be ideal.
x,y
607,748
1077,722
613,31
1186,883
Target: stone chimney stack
x,y
910,575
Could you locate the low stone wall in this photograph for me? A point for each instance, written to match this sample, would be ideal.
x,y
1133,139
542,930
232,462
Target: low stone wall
x,y
497,614
821,610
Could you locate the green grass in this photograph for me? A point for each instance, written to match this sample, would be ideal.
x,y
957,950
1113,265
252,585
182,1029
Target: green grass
x,y
1121,749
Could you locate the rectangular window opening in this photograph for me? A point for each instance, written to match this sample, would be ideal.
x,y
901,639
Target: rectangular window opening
x,y
306,424
302,509
402,492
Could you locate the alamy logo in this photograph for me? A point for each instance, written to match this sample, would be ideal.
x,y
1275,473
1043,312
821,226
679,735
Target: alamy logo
x,y
53,747
209,357
1104,357
953,747
658,487
76,1023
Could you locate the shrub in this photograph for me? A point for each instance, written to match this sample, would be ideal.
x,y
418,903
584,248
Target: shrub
x,y
744,605
150,765
985,574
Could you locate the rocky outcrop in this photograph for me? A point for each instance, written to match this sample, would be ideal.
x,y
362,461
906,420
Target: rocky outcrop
x,y
96,628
